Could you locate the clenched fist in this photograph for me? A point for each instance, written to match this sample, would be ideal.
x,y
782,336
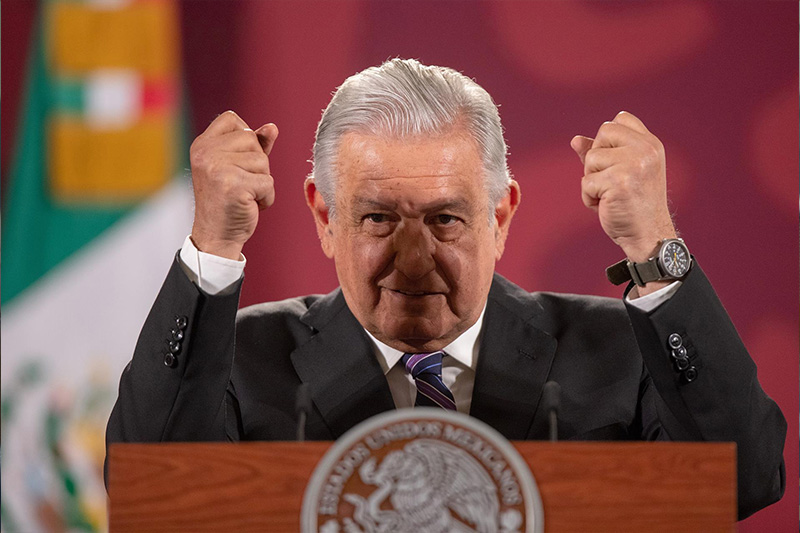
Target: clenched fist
x,y
625,182
232,182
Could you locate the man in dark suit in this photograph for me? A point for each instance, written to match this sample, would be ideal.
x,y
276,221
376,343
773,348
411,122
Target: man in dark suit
x,y
413,200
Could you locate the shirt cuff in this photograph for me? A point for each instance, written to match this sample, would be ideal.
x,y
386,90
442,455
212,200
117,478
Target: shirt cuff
x,y
651,301
211,273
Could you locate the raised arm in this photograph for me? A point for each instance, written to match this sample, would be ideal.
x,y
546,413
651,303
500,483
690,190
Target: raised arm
x,y
175,386
705,381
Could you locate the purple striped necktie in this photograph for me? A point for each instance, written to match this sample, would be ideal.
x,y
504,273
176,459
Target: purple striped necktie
x,y
426,369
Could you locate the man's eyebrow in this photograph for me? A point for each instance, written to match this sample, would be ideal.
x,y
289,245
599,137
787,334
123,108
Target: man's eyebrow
x,y
370,203
456,205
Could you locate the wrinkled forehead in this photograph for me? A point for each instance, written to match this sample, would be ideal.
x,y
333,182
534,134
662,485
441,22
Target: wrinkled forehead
x,y
427,160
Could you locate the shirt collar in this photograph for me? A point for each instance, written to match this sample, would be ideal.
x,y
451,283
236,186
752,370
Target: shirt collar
x,y
463,349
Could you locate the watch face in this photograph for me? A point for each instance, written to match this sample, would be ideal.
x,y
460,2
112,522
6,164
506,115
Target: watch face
x,y
675,259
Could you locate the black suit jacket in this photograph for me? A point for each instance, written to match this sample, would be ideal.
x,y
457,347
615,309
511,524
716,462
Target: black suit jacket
x,y
613,364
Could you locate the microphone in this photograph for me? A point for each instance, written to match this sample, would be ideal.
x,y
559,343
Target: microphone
x,y
551,399
302,406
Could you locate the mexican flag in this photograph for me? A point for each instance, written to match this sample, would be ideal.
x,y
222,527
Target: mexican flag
x,y
98,200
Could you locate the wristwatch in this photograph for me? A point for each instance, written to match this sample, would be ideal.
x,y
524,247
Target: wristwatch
x,y
672,261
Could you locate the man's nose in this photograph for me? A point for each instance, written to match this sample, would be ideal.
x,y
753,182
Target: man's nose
x,y
414,249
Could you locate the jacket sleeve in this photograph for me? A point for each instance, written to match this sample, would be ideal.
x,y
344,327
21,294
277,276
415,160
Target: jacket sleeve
x,y
717,397
175,386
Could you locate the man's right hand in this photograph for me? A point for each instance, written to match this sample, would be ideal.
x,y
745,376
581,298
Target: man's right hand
x,y
232,182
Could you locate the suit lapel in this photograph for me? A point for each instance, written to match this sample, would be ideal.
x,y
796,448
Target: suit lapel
x,y
513,362
348,386
346,382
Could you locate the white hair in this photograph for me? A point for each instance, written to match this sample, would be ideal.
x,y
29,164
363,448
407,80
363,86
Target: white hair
x,y
403,97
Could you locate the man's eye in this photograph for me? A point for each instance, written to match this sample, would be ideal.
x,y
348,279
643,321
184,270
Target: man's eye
x,y
446,220
376,218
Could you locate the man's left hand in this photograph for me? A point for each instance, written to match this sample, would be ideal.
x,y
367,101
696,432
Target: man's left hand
x,y
625,183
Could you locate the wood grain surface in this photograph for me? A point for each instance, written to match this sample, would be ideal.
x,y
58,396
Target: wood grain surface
x,y
585,486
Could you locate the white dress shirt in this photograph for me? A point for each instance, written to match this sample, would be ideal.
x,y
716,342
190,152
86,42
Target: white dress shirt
x,y
215,275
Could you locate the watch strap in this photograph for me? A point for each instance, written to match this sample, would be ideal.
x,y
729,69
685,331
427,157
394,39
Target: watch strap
x,y
618,273
644,273
640,273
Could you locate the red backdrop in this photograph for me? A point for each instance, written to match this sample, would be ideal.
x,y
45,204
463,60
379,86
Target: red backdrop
x,y
717,82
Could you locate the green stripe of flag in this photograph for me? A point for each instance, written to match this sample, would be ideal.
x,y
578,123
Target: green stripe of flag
x,y
68,95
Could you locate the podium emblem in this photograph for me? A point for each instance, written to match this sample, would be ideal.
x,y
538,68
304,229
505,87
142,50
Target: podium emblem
x,y
422,470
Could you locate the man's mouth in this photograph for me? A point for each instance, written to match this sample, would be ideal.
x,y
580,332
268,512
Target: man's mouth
x,y
413,292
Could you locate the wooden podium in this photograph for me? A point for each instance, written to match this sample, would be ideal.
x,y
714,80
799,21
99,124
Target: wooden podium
x,y
585,486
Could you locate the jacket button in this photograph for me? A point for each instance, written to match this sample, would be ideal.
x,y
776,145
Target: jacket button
x,y
690,374
675,341
170,360
682,363
174,347
181,322
176,335
679,352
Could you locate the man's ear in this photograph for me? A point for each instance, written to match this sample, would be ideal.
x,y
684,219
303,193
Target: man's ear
x,y
320,211
503,213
